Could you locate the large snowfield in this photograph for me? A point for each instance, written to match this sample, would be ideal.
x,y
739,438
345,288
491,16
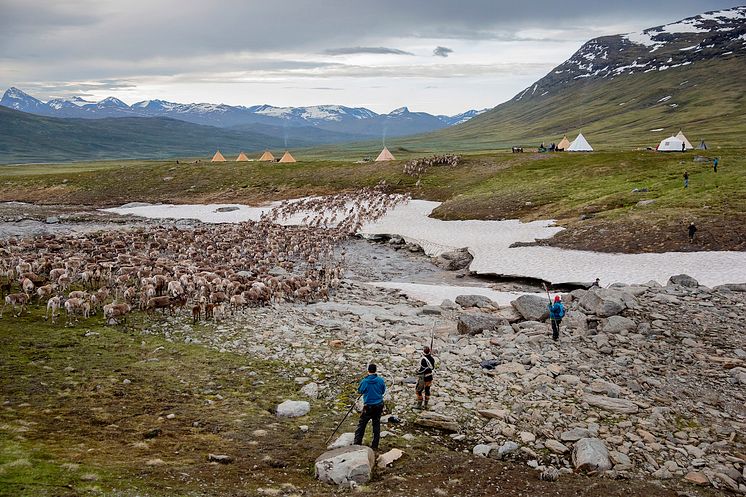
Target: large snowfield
x,y
489,242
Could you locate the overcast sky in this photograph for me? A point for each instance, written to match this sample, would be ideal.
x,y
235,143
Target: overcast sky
x,y
437,56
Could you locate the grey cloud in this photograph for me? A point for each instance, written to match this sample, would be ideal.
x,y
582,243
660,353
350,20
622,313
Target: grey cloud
x,y
366,50
442,51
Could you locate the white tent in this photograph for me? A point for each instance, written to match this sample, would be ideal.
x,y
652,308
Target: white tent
x,y
702,145
580,144
681,137
385,155
671,144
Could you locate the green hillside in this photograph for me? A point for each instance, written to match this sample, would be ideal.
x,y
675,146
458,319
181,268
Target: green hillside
x,y
29,138
709,97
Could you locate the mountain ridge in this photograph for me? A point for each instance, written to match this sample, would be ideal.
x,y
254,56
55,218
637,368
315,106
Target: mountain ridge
x,y
337,118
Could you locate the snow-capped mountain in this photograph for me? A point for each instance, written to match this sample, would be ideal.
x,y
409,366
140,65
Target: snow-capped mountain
x,y
337,118
712,35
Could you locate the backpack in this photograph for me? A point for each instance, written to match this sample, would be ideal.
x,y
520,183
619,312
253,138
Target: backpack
x,y
558,310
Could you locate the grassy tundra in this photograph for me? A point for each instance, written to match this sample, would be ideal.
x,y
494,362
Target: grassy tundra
x,y
597,187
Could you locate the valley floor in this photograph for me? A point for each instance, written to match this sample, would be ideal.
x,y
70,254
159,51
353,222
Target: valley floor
x,y
136,409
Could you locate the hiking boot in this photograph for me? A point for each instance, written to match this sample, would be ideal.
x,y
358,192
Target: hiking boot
x,y
418,405
424,406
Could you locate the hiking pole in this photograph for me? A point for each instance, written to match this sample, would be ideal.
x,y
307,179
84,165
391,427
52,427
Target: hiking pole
x,y
343,420
432,336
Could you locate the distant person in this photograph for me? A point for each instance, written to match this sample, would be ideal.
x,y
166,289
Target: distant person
x,y
556,313
596,283
372,387
683,147
692,232
715,165
686,179
424,378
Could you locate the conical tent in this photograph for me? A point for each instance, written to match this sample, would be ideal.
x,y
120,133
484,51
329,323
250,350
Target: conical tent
x,y
580,144
287,157
670,144
681,137
242,158
564,143
267,156
384,155
702,145
218,157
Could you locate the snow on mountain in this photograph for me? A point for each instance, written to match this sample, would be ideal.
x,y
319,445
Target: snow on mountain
x,y
461,118
336,118
710,35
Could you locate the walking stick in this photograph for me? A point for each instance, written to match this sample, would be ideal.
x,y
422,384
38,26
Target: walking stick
x,y
343,420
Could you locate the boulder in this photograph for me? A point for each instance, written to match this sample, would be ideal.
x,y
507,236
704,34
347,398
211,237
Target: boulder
x,y
574,434
231,208
682,280
344,440
604,302
454,260
556,446
310,390
431,310
346,464
482,450
531,307
435,420
576,320
389,457
619,325
731,287
473,323
293,408
697,478
505,449
607,388
52,220
621,406
480,301
590,454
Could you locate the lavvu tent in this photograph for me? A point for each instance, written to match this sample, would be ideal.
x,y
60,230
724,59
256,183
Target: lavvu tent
x,y
580,144
267,157
671,144
384,155
287,157
564,143
242,158
218,157
681,137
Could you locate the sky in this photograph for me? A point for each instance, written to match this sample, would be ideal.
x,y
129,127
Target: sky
x,y
437,56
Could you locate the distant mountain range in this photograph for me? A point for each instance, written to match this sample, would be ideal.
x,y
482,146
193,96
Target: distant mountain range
x,y
356,121
629,90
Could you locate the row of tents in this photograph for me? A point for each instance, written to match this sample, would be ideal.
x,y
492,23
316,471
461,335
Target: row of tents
x,y
267,156
678,143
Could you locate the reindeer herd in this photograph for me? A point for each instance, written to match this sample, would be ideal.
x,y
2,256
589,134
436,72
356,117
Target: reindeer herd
x,y
206,272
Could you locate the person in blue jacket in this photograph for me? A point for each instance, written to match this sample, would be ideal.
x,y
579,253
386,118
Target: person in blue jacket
x,y
556,313
372,387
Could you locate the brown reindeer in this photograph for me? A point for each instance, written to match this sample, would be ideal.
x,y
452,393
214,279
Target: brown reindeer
x,y
15,299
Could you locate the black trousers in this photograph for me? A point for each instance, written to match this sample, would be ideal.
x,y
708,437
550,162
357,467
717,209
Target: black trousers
x,y
370,413
555,328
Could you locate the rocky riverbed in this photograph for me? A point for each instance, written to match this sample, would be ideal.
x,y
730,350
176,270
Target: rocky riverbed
x,y
652,377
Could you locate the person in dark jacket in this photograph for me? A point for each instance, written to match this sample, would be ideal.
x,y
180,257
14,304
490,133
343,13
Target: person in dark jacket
x,y
686,179
715,165
372,387
556,313
692,232
424,378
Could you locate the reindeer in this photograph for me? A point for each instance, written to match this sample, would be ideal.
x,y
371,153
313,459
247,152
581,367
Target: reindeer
x,y
13,300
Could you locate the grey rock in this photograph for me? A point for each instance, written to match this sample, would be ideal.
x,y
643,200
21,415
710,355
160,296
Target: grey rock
x,y
482,450
431,310
346,464
449,305
454,260
621,406
531,307
220,458
474,323
52,220
480,301
231,208
310,390
344,440
683,280
435,420
605,302
506,449
619,324
590,454
550,474
574,434
293,408
731,287
556,446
